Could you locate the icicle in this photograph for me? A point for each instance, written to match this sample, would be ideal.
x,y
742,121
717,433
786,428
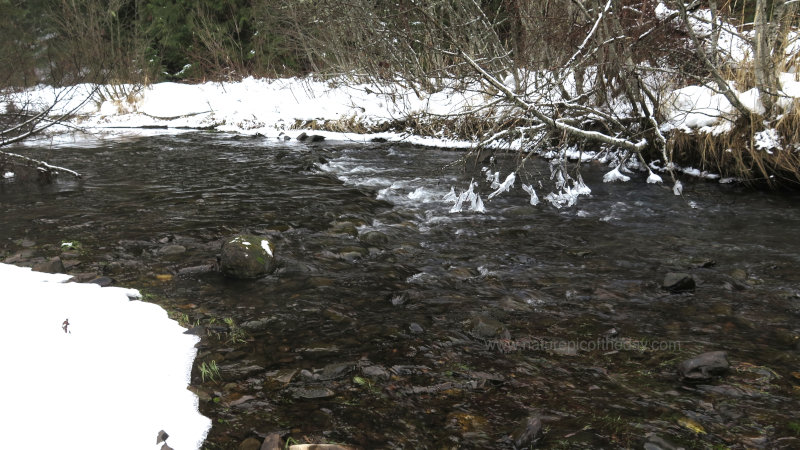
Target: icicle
x,y
477,204
505,186
529,189
451,196
678,188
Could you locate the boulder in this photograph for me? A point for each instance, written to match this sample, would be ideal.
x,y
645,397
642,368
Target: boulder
x,y
704,367
246,257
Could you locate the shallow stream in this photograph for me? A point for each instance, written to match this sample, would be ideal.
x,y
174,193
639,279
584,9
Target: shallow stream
x,y
393,323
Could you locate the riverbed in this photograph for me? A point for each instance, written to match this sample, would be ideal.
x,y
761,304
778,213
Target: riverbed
x,y
392,322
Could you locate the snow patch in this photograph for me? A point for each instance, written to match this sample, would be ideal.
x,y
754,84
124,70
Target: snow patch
x,y
615,175
266,246
117,377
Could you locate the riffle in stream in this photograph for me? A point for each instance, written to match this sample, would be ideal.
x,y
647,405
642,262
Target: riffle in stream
x,y
393,323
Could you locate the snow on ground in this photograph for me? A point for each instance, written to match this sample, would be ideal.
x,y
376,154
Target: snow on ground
x,y
118,377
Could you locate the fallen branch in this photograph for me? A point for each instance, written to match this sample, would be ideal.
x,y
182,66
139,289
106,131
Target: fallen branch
x,y
42,165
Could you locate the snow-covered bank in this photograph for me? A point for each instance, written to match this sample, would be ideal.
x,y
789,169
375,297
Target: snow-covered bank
x,y
118,377
272,108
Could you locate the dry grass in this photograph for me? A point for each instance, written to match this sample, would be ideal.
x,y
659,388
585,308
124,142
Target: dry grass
x,y
734,154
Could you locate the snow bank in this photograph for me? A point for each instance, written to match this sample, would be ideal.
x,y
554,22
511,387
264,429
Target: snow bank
x,y
118,377
267,107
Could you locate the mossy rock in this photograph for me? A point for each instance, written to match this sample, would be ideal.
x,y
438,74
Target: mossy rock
x,y
247,257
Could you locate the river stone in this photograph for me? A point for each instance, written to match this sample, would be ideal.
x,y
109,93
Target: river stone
x,y
53,265
246,256
102,281
321,447
171,250
375,372
312,392
250,444
374,238
487,327
656,442
678,282
272,442
335,370
162,436
254,326
705,366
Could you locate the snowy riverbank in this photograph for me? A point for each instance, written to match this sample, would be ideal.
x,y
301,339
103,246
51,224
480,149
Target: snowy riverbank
x,y
118,377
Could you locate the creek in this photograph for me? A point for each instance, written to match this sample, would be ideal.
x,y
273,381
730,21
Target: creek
x,y
393,323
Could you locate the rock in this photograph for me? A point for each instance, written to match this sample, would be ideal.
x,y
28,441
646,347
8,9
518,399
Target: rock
x,y
254,326
53,265
166,447
527,432
246,257
272,442
302,137
487,327
704,367
284,376
171,250
678,282
379,140
250,444
312,392
656,442
320,447
415,328
375,372
374,238
102,281
196,270
239,371
199,331
161,437
334,371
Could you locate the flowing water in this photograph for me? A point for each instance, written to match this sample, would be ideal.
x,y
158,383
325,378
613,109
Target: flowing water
x,y
393,323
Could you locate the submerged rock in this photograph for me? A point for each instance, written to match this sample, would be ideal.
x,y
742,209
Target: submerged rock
x,y
678,282
246,257
171,250
375,372
374,238
487,327
656,442
312,392
704,367
250,444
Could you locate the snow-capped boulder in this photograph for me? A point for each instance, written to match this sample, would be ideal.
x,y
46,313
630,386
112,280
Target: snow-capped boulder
x,y
246,256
